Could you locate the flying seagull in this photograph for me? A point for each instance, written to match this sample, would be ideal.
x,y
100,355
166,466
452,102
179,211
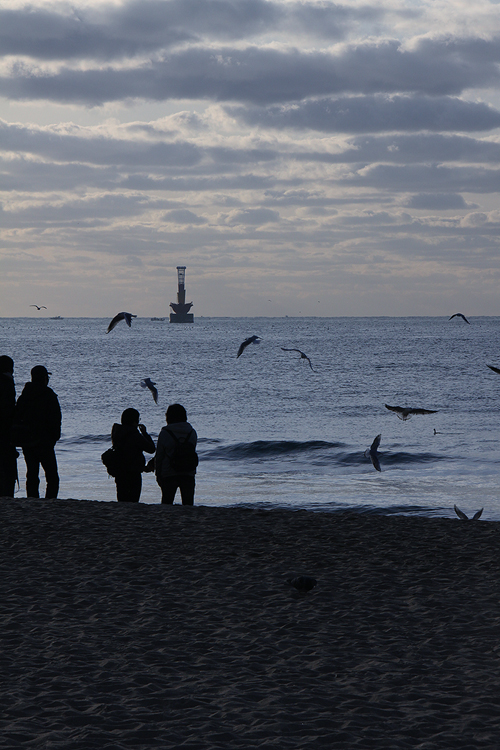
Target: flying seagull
x,y
42,307
459,315
302,356
148,383
372,454
406,412
249,340
127,317
464,517
495,369
302,583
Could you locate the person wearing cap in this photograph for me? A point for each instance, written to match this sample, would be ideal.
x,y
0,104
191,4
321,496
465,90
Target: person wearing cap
x,y
8,453
37,418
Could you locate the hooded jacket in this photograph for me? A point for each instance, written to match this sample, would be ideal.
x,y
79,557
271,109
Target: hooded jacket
x,y
166,446
131,443
38,410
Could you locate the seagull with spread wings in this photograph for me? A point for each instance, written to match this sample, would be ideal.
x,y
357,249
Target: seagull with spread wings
x,y
148,383
247,342
372,453
464,517
459,315
406,412
127,317
41,307
302,355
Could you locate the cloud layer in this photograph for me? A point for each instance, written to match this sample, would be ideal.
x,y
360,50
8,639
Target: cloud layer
x,y
307,150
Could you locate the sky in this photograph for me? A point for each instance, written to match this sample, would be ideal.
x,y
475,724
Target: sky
x,y
299,158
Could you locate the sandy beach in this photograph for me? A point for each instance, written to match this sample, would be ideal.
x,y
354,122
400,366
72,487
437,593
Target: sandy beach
x,y
144,626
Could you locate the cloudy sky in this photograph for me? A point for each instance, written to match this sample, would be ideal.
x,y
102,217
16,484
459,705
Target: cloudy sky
x,y
300,158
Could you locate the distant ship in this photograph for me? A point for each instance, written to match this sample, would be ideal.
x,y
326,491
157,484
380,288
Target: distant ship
x,y
57,317
157,318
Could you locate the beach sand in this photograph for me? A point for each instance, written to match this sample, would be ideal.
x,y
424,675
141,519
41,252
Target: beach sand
x,y
149,626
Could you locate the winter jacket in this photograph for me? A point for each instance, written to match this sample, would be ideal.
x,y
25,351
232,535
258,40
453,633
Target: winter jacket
x,y
166,446
38,411
131,443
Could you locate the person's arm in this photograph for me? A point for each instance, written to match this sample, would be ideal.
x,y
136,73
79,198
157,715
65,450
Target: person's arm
x,y
147,441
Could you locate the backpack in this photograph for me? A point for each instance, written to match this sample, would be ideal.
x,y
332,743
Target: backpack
x,y
112,461
184,458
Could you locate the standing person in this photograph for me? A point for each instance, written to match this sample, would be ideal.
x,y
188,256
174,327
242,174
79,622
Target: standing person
x,y
130,439
37,419
176,468
8,453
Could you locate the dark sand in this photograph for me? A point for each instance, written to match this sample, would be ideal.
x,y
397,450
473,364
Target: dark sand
x,y
167,627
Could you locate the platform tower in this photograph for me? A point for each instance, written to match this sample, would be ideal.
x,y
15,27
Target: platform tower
x,y
181,308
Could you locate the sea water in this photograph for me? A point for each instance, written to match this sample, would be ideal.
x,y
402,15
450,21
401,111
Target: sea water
x,y
272,432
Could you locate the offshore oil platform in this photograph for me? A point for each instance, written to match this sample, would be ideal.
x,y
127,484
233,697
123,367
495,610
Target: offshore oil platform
x,y
181,308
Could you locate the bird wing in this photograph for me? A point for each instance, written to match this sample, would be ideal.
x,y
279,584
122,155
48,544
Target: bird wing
x,y
397,409
374,446
477,514
128,318
422,411
154,391
115,320
373,453
495,369
460,514
242,348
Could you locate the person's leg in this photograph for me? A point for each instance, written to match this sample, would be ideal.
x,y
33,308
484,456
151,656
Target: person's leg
x,y
168,489
49,465
128,487
32,459
186,486
8,470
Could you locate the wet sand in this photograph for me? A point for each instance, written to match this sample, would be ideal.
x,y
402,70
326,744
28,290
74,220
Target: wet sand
x,y
143,626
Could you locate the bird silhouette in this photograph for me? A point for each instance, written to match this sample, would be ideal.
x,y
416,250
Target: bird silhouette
x,y
148,383
247,342
302,356
41,307
459,315
303,584
406,412
464,517
372,454
127,317
495,369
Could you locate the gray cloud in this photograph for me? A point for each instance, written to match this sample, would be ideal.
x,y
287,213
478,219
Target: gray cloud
x,y
429,178
261,76
183,216
145,26
372,114
436,201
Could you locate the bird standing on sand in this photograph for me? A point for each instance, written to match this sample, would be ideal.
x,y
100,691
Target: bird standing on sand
x,y
406,412
464,517
246,342
303,584
302,356
459,315
127,317
372,454
41,307
148,383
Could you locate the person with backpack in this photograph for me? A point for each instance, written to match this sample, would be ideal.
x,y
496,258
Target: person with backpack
x,y
176,459
129,440
37,428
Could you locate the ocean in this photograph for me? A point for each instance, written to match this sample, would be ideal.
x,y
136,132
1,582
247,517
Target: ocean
x,y
272,431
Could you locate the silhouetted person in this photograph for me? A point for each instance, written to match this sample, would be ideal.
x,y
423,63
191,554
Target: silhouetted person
x,y
168,473
37,418
8,453
130,439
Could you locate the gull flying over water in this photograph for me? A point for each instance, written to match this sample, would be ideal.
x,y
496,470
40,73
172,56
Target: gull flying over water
x,y
302,356
303,584
464,517
406,412
246,342
127,317
459,315
372,454
148,383
41,307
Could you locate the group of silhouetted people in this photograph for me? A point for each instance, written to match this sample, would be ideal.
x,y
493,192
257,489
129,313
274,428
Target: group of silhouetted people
x,y
33,423
174,462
